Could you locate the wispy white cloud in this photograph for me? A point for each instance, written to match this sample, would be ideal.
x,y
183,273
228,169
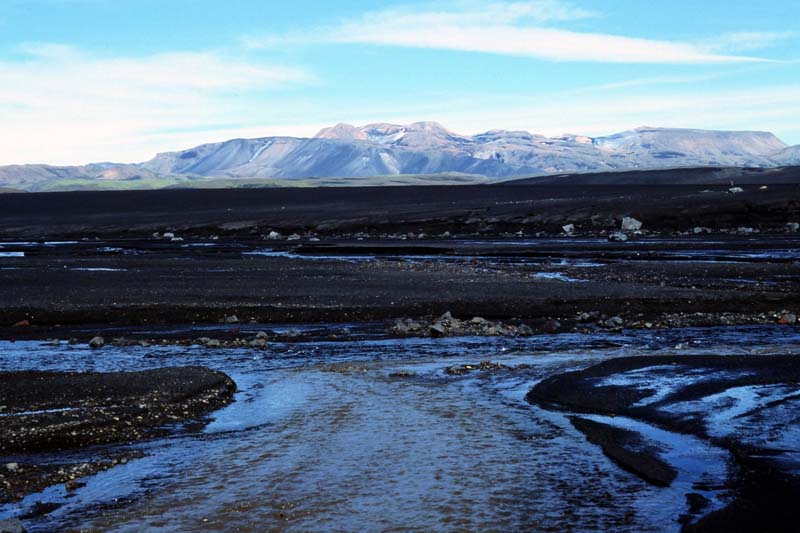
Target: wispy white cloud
x,y
748,41
527,29
644,82
59,105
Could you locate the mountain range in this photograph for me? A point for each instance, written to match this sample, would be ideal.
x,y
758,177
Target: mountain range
x,y
421,148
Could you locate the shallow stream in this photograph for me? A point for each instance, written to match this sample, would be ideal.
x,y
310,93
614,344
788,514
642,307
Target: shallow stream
x,y
374,434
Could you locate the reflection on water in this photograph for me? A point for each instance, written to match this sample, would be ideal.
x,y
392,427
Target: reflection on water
x,y
374,435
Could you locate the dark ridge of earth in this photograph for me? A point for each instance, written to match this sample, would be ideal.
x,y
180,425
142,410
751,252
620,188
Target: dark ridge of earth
x,y
152,281
173,287
51,411
765,490
727,176
45,412
481,209
628,450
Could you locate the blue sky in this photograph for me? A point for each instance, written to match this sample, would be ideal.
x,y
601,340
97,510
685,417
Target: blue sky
x,y
119,80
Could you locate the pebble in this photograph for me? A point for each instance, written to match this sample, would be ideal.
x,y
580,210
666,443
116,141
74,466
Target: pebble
x,y
96,343
437,330
258,343
631,224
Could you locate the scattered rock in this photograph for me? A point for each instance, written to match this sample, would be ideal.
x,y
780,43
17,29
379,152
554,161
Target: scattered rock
x,y
552,326
399,328
168,235
587,317
618,236
233,319
447,325
614,322
788,319
793,227
209,343
735,190
631,224
698,230
97,343
438,330
406,327
569,229
465,369
12,467
262,335
258,343
273,235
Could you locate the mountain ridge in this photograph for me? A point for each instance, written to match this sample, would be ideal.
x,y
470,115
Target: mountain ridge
x,y
428,148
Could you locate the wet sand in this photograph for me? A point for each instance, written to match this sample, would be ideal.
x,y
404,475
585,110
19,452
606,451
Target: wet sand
x,y
388,252
137,283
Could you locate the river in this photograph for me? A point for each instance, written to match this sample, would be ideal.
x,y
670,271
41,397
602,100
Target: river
x,y
374,434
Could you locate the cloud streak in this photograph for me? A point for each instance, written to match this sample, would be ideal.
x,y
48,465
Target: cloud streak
x,y
748,41
523,29
64,106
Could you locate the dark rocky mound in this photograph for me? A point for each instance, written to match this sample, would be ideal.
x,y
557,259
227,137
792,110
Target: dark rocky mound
x,y
49,411
670,176
765,486
628,450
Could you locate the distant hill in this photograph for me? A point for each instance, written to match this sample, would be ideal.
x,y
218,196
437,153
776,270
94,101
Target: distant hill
x,y
789,156
343,152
